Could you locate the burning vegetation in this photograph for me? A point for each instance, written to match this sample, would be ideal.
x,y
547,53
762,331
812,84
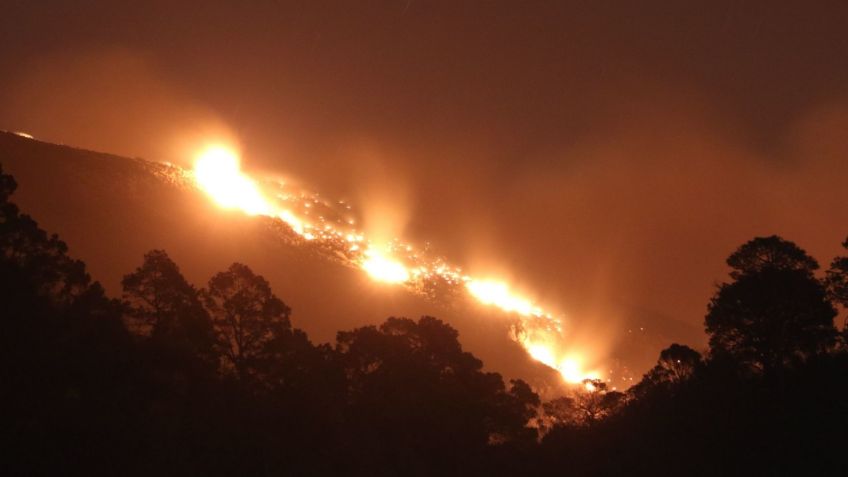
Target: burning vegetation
x,y
331,226
216,380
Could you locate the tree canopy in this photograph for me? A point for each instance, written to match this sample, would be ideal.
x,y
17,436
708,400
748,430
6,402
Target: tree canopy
x,y
837,279
770,253
775,311
247,316
163,305
173,380
402,367
676,364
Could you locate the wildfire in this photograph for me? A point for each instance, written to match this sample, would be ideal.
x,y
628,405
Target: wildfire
x,y
498,294
217,172
384,269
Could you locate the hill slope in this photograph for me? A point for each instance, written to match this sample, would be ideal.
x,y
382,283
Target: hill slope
x,y
112,209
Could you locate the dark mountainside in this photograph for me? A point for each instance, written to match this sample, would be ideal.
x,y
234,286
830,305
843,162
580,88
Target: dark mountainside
x,y
171,375
95,200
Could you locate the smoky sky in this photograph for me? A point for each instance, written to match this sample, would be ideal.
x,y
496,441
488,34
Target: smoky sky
x,y
604,156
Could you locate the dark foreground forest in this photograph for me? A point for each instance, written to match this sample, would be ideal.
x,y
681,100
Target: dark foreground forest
x,y
171,379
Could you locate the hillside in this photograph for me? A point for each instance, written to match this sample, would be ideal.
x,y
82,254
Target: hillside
x,y
94,200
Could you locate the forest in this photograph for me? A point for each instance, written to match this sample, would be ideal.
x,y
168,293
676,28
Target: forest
x,y
172,378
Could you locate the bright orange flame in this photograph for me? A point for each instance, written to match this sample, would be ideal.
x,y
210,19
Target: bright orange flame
x,y
498,294
541,353
293,221
384,269
569,368
217,172
545,349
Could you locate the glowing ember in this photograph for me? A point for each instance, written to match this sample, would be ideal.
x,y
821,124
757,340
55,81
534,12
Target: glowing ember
x,y
329,226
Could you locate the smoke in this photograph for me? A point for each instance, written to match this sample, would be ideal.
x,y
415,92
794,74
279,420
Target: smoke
x,y
614,201
627,229
380,191
108,99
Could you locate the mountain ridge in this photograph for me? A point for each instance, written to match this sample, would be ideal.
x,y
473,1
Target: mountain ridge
x,y
94,199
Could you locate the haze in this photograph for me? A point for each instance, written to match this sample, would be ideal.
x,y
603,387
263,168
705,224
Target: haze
x,y
606,165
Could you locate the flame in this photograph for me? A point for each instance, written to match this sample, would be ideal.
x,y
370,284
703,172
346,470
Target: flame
x,y
490,292
569,366
384,269
217,172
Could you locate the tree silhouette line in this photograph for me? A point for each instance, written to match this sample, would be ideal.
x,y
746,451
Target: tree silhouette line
x,y
171,379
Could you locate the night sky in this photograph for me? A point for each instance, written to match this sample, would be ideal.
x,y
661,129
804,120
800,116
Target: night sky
x,y
606,157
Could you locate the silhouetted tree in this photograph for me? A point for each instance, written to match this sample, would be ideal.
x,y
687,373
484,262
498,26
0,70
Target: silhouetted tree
x,y
420,404
676,364
596,401
8,185
81,396
66,361
561,411
247,317
837,282
586,404
161,304
58,277
775,311
769,253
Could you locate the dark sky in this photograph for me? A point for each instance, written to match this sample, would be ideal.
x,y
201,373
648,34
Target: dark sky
x,y
605,156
